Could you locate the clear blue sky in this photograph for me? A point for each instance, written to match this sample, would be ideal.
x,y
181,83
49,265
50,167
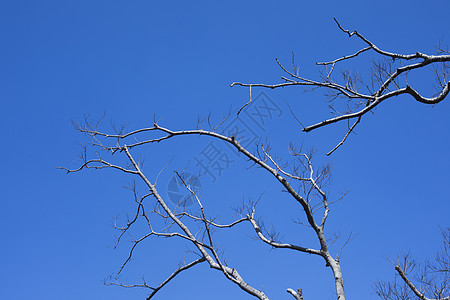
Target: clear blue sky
x,y
60,60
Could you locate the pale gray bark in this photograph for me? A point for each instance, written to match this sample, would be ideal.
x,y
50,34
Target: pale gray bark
x,y
428,281
208,253
302,182
357,103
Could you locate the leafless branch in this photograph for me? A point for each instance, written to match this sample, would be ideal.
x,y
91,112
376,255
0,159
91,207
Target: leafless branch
x,y
429,281
385,74
207,248
297,295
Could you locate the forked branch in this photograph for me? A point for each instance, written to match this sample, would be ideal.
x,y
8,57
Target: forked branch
x,y
358,103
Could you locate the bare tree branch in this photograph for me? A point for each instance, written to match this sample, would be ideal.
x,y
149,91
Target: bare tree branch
x,y
385,74
297,295
351,99
207,248
430,281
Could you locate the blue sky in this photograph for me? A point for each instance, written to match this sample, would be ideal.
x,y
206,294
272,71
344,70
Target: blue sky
x,y
132,60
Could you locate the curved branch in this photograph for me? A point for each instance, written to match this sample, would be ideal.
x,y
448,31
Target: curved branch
x,y
420,98
349,90
297,295
280,245
174,274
